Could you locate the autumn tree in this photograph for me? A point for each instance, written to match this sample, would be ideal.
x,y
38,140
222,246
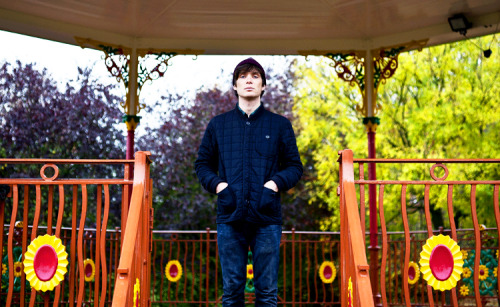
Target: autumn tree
x,y
40,119
441,103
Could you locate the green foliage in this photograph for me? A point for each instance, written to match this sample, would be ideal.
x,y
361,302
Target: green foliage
x,y
441,103
326,123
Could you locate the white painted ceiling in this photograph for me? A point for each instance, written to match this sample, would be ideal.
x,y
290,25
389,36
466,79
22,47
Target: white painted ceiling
x,y
248,27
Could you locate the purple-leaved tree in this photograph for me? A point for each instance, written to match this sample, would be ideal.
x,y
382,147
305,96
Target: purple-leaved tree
x,y
40,120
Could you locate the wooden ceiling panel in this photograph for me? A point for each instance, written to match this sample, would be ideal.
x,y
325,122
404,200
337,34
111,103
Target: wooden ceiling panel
x,y
231,27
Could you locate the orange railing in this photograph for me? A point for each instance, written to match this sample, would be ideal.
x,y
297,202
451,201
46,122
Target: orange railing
x,y
302,254
355,280
412,194
86,214
135,258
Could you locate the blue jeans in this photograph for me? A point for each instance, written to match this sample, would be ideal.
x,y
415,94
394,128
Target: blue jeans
x,y
233,241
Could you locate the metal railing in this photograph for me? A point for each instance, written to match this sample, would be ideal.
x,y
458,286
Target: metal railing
x,y
399,283
61,208
84,208
301,256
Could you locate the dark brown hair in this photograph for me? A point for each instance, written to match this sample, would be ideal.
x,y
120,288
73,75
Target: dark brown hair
x,y
245,68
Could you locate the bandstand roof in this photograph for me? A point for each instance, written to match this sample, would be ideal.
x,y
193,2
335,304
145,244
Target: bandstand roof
x,y
248,27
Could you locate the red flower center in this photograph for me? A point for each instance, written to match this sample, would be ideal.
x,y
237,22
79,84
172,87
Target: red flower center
x,y
441,262
173,271
411,273
18,268
250,271
45,262
88,270
481,272
327,272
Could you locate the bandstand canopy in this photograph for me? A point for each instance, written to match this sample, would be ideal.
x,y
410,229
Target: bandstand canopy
x,y
248,27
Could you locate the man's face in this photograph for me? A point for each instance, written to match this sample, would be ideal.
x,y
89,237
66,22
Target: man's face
x,y
249,85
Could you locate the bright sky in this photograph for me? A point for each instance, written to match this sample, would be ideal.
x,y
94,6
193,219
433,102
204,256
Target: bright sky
x,y
185,75
62,60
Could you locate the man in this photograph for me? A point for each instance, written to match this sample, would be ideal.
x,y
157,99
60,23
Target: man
x,y
247,156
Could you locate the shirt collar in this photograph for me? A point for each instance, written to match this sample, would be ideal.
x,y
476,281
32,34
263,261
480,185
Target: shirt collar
x,y
245,114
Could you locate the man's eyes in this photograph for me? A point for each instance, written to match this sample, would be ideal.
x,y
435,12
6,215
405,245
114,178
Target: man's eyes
x,y
256,76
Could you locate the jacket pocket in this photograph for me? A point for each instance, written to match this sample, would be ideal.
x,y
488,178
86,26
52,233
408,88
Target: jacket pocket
x,y
269,203
226,201
266,146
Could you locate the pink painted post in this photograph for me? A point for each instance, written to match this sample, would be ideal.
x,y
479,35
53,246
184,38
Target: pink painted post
x,y
131,121
130,144
371,125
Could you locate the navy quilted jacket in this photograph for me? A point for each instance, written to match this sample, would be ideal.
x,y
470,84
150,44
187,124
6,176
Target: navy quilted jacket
x,y
246,152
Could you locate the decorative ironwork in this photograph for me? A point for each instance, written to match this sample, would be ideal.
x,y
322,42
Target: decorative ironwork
x,y
54,167
349,67
158,71
446,172
118,60
385,65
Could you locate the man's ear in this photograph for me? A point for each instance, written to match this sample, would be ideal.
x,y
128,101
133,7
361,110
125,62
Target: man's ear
x,y
263,87
234,87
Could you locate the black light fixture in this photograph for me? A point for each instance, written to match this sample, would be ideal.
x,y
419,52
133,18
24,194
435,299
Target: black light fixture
x,y
459,23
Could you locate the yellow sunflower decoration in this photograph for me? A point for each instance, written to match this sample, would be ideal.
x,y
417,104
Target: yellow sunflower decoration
x,y
18,269
464,254
137,292
466,273
413,273
441,262
4,268
483,272
327,272
45,263
464,290
173,271
88,270
349,293
495,272
497,253
249,271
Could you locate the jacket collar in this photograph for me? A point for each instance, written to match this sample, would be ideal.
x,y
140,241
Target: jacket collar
x,y
255,114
